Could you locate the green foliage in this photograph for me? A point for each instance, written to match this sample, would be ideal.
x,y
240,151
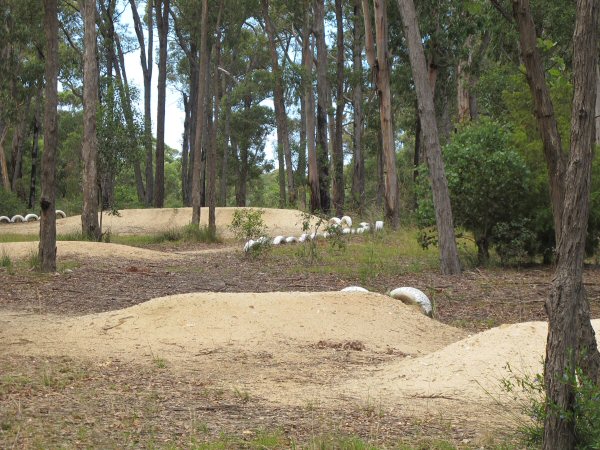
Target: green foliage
x,y
248,224
11,204
586,413
488,182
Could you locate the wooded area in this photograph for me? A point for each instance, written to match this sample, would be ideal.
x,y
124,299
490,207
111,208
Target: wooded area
x,y
475,116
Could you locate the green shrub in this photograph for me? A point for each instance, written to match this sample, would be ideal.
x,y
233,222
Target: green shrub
x,y
586,414
248,224
488,182
11,204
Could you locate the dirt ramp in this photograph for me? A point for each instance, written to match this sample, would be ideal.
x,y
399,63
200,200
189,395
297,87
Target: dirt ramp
x,y
470,370
151,221
180,326
66,249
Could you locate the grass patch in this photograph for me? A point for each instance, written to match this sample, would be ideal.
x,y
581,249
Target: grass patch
x,y
187,234
14,237
365,256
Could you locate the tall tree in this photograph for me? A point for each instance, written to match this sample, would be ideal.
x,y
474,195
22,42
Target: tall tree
x,y
89,216
322,106
146,58
450,263
283,138
162,24
309,107
378,58
571,339
338,144
47,246
200,117
358,158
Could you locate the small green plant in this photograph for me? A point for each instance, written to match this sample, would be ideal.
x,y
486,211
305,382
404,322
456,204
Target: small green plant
x,y
248,224
159,362
242,395
192,233
33,260
6,262
586,414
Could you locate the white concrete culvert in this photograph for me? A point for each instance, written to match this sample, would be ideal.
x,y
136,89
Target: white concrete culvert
x,y
31,217
60,214
4,219
354,289
413,296
17,218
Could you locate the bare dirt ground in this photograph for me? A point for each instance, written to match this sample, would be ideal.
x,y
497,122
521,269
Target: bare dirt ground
x,y
145,348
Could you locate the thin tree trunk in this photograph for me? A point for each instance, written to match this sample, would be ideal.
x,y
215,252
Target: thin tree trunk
x,y
3,164
322,106
338,144
200,116
47,246
185,146
379,61
301,170
89,216
162,24
313,171
450,263
597,113
34,152
18,146
225,157
212,155
194,91
358,175
283,138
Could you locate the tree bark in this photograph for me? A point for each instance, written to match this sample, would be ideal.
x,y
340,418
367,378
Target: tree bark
x,y
200,117
162,24
89,217
338,144
597,112
544,110
571,339
358,174
309,106
450,263
3,164
47,246
378,57
283,137
225,157
322,107
212,154
34,152
18,146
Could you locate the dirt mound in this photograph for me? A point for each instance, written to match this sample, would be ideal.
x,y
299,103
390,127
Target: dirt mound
x,y
150,221
254,340
67,249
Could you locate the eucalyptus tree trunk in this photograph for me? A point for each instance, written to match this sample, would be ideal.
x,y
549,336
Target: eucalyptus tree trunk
x,y
358,174
90,227
301,169
185,146
283,137
162,24
225,156
3,163
571,338
212,149
378,58
322,106
47,246
18,144
309,107
338,144
34,151
450,263
200,116
146,58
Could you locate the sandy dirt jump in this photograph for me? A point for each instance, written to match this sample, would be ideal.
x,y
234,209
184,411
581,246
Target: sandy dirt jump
x,y
342,351
286,222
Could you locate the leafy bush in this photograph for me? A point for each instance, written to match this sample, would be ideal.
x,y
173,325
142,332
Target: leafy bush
x,y
248,224
10,204
488,182
586,414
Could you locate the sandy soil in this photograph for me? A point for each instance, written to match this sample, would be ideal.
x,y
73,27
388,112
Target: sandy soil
x,y
286,222
288,349
67,249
